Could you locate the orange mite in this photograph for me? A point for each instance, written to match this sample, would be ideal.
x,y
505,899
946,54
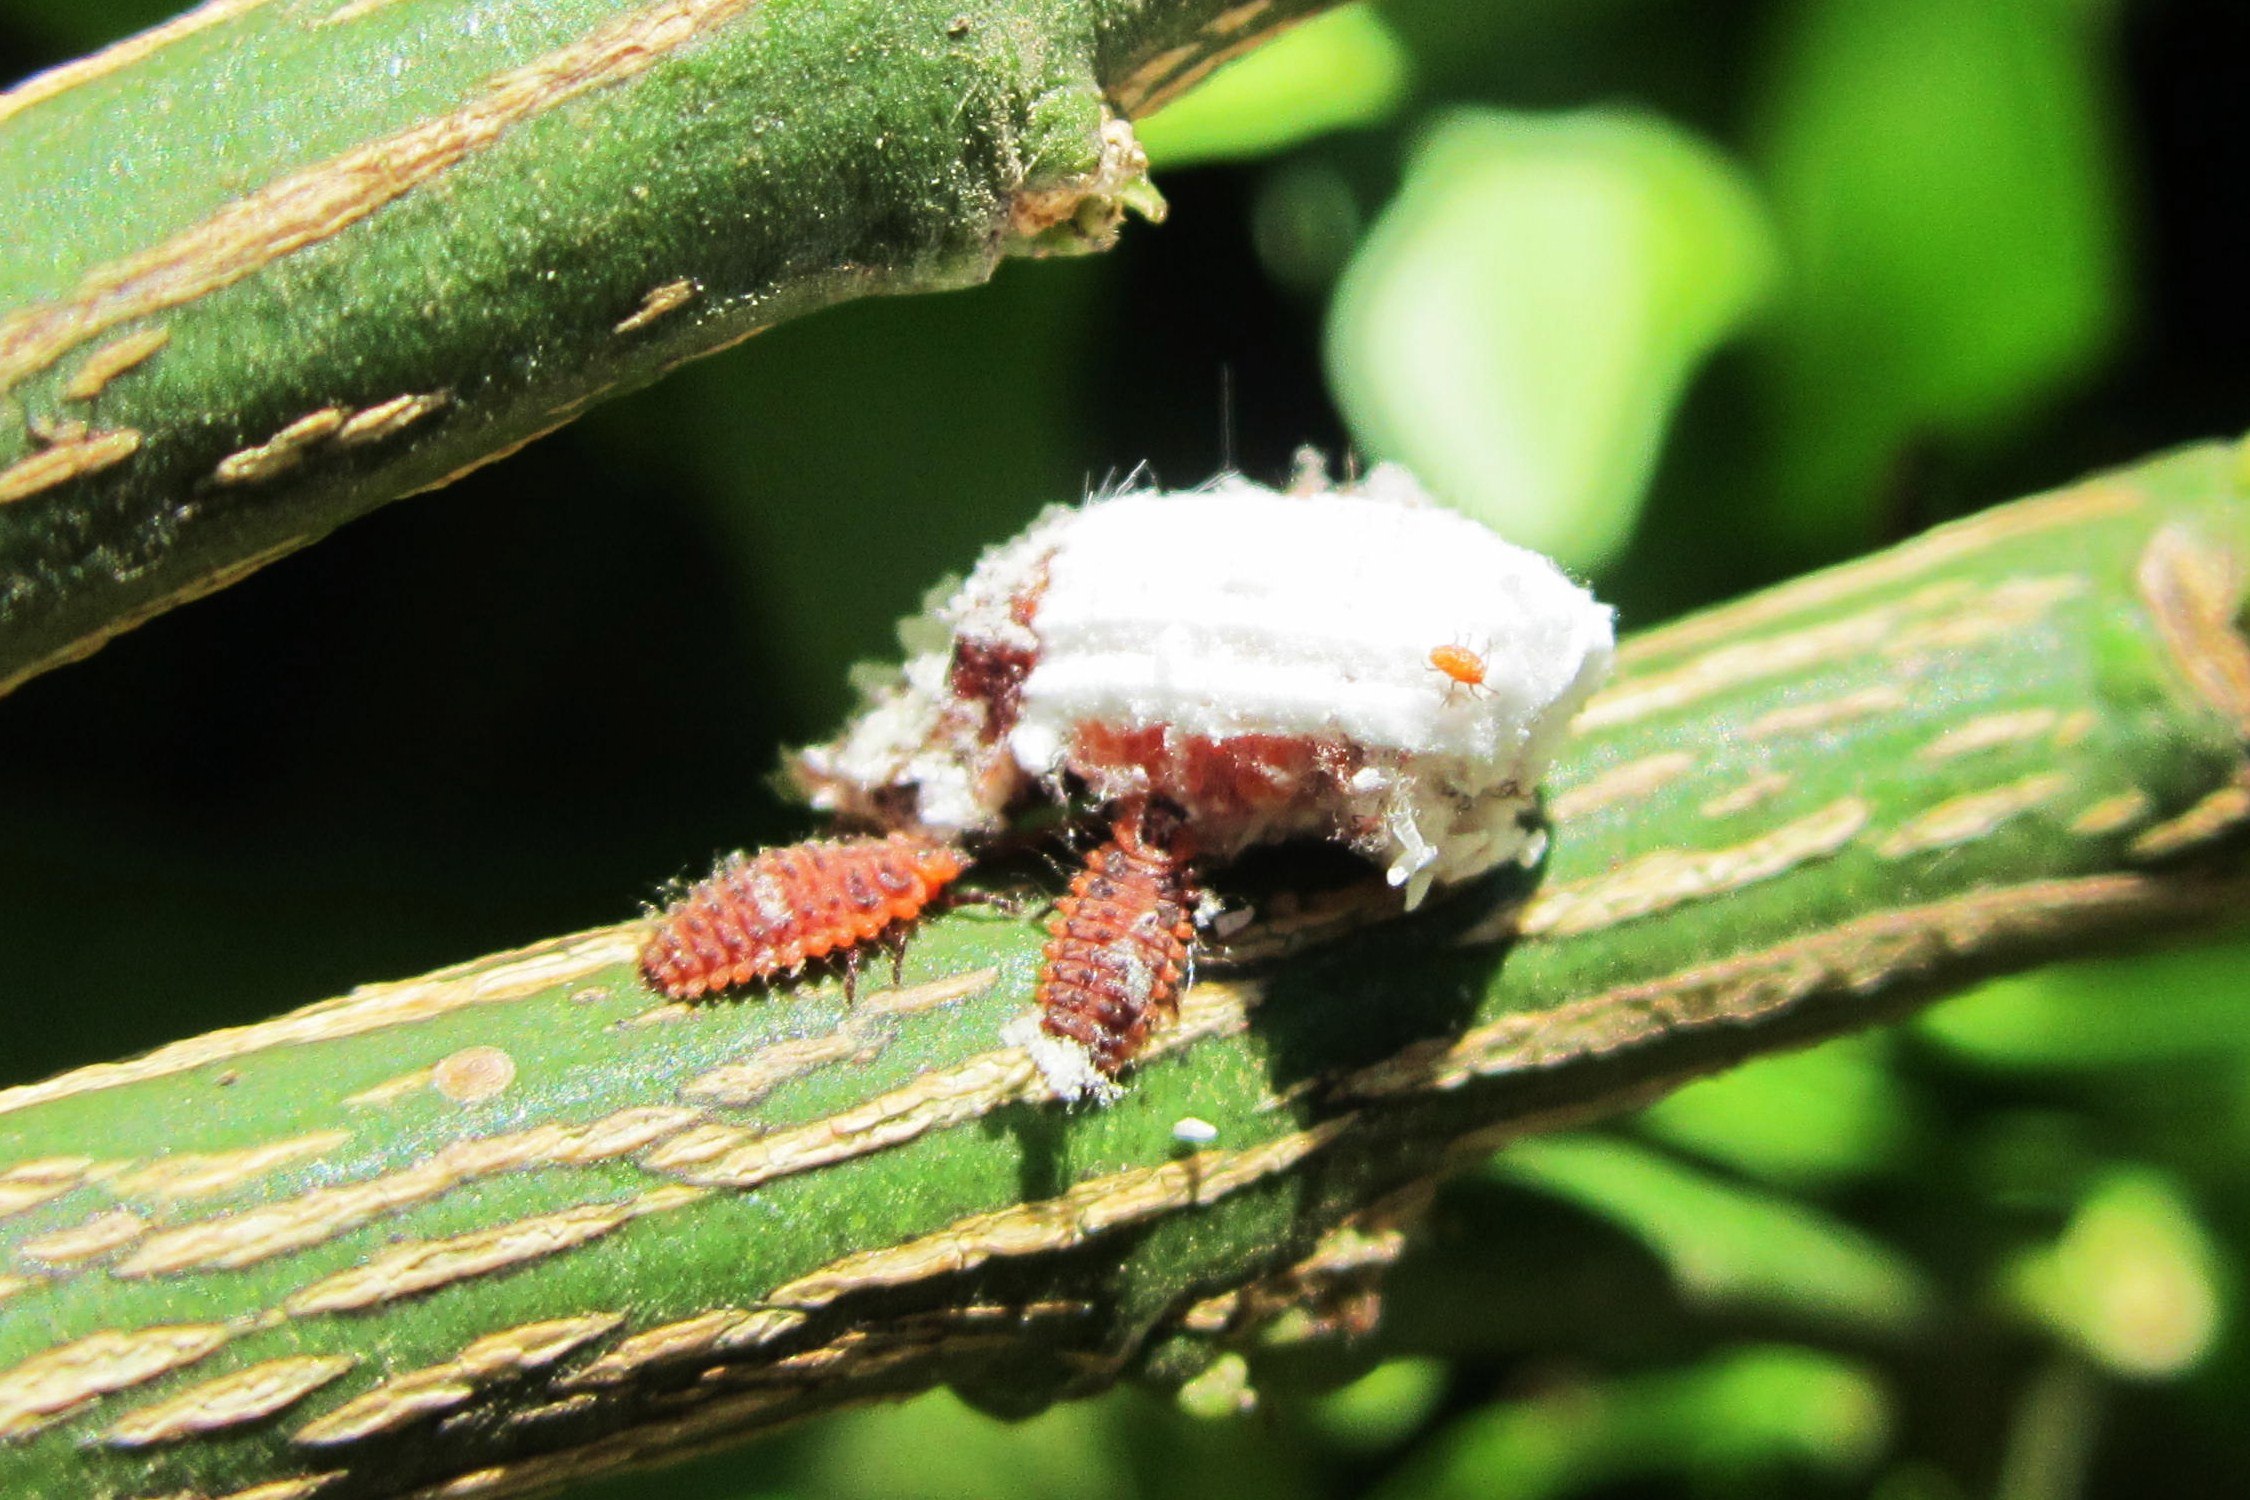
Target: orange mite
x,y
1463,667
775,911
1119,951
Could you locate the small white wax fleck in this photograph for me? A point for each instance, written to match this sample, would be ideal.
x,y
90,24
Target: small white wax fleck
x,y
1191,1131
1066,1067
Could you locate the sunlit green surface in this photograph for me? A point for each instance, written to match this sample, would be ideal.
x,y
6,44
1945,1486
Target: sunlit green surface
x,y
1522,319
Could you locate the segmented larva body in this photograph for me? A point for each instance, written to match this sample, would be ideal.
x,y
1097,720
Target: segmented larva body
x,y
772,912
1119,951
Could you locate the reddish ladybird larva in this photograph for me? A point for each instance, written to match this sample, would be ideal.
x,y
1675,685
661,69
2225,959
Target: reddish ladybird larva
x,y
1119,951
774,911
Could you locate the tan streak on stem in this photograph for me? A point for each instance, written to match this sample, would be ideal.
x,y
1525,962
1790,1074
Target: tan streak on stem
x,y
1626,783
1857,956
1760,788
2113,814
2219,813
389,418
915,999
29,1184
232,1400
390,1089
411,1269
279,1489
1658,882
485,981
740,1085
207,1174
65,461
98,1236
313,205
1965,819
2077,506
715,1155
283,451
112,360
709,1333
390,1406
1735,666
2010,606
407,1398
1989,732
668,298
934,1101
1825,713
15,1197
51,1385
352,10
2193,589
1090,1209
310,1218
40,87
1148,94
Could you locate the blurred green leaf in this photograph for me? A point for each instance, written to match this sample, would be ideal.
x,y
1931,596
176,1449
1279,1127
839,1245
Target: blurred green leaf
x,y
936,1448
1727,1246
1825,1115
1382,1407
2158,1007
2133,1282
1945,185
1743,1412
1520,322
1305,223
1341,70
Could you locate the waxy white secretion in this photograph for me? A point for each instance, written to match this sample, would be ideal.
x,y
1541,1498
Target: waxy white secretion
x,y
1260,658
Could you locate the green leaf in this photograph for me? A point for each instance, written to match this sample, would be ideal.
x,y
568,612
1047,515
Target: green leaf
x,y
1726,1246
1944,182
2153,1008
1829,1114
1520,323
1384,1406
1336,72
1745,1411
2133,1281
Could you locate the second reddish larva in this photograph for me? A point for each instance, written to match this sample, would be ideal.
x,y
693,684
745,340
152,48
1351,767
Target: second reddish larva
x,y
1119,951
772,912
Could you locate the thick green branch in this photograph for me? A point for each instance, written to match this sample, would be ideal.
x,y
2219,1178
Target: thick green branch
x,y
518,1222
283,260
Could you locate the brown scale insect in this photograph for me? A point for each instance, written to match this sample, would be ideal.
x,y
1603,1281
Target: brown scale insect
x,y
774,911
1119,956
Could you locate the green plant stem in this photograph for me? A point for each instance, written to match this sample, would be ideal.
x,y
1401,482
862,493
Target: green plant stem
x,y
517,1222
281,261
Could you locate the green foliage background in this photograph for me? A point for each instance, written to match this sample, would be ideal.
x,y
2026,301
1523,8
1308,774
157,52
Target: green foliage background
x,y
1696,295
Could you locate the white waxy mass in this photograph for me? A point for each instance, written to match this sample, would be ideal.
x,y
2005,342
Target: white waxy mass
x,y
1260,658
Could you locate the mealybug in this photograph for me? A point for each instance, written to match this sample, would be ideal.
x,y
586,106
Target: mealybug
x,y
772,912
1261,662
1119,951
1460,666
